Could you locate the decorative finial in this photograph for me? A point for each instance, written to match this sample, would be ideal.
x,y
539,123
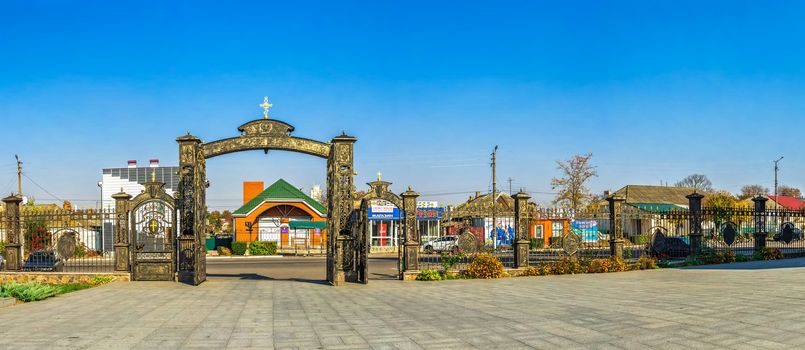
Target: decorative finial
x,y
154,176
266,106
379,176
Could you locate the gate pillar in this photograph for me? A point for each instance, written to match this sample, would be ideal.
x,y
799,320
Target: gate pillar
x,y
121,231
760,222
695,208
13,251
340,197
192,186
411,245
521,227
616,226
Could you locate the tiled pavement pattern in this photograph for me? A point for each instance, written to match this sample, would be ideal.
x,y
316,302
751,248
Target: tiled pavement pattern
x,y
748,306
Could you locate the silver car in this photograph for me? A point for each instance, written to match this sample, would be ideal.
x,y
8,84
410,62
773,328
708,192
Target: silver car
x,y
442,244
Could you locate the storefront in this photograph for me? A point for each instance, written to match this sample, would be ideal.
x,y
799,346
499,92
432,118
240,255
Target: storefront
x,y
385,225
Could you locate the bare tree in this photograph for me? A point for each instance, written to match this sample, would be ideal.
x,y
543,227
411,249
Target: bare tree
x,y
789,191
698,182
750,191
576,171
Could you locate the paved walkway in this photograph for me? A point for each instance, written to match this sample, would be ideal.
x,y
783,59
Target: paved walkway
x,y
744,306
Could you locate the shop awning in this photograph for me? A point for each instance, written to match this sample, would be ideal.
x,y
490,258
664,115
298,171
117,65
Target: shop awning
x,y
308,224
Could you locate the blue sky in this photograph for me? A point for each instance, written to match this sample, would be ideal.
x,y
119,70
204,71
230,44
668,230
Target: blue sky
x,y
655,90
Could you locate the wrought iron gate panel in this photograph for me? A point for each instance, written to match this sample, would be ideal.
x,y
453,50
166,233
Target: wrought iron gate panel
x,y
153,231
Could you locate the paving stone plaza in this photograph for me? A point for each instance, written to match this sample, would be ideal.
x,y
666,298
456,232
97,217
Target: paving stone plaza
x,y
756,305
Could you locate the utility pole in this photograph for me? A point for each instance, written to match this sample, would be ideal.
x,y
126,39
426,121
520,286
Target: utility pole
x,y
510,185
19,176
776,169
494,198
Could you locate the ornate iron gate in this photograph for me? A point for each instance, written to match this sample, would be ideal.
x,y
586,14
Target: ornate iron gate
x,y
153,229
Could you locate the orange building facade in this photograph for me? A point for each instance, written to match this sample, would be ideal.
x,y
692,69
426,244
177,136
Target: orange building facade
x,y
546,229
280,213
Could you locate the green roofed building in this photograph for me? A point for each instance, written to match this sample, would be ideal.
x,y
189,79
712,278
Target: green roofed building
x,y
281,213
642,201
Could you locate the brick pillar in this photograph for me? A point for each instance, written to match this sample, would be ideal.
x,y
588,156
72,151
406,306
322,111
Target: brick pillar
x,y
411,245
122,231
13,234
695,211
616,241
760,222
521,226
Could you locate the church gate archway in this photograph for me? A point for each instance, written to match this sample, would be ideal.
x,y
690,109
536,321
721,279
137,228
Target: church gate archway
x,y
408,258
266,134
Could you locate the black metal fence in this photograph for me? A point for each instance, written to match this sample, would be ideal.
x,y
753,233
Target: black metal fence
x,y
664,232
66,240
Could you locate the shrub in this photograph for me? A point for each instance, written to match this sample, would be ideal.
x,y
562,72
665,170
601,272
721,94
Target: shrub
x,y
646,263
692,261
239,248
29,291
3,249
535,243
728,256
613,264
263,248
742,258
767,253
641,239
531,271
450,260
429,275
100,279
224,251
568,266
599,266
485,265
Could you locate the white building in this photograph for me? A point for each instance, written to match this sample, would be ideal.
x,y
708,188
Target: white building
x,y
131,180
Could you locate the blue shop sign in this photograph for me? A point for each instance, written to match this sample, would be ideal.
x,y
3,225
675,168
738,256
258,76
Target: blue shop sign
x,y
422,214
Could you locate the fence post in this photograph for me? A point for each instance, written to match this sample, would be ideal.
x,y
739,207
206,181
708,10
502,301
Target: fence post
x,y
121,231
760,222
616,226
521,227
13,236
695,209
411,245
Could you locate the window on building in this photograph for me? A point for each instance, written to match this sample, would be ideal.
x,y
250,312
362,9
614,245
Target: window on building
x,y
557,229
538,232
384,233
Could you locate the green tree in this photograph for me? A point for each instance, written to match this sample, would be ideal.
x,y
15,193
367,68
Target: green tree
x,y
215,220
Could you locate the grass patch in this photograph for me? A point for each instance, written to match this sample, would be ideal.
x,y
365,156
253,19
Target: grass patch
x,y
36,291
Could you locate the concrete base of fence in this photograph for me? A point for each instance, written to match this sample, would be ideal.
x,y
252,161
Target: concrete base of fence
x,y
58,277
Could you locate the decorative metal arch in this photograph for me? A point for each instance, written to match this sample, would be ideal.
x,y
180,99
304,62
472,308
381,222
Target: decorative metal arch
x,y
266,134
408,256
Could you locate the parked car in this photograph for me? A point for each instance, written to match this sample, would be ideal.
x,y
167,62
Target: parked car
x,y
796,236
442,244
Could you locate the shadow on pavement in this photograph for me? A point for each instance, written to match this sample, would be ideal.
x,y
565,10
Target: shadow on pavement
x,y
752,265
256,277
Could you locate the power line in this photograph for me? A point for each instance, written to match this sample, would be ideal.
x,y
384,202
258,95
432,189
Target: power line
x,y
42,188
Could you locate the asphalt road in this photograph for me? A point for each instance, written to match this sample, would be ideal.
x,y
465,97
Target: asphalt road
x,y
309,269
